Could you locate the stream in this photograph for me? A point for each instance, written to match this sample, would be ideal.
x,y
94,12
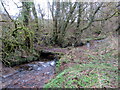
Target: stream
x,y
31,75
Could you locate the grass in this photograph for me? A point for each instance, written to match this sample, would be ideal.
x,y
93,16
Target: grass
x,y
85,76
97,68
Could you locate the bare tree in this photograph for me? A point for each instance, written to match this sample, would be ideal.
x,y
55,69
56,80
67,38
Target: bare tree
x,y
61,14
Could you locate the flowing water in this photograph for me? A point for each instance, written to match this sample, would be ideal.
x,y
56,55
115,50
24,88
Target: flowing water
x,y
31,75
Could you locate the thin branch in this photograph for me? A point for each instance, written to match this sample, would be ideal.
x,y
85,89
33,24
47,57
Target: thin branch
x,y
103,18
106,18
17,5
41,11
51,9
6,11
92,18
69,16
3,21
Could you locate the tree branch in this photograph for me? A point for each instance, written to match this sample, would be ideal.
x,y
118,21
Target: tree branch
x,y
6,11
106,17
17,5
3,21
68,18
92,18
51,9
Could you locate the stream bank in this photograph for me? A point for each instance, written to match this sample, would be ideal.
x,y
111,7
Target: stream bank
x,y
30,75
34,74
92,66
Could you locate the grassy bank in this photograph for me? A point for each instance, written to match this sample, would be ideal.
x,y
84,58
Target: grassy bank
x,y
88,68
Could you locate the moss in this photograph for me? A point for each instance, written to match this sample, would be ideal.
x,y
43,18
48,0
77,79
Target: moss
x,y
17,60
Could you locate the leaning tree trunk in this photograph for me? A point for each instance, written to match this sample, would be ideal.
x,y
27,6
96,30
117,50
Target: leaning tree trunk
x,y
15,23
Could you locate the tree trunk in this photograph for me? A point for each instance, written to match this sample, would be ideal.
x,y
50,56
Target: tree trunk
x,y
55,21
77,33
26,13
35,15
66,22
68,18
36,22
